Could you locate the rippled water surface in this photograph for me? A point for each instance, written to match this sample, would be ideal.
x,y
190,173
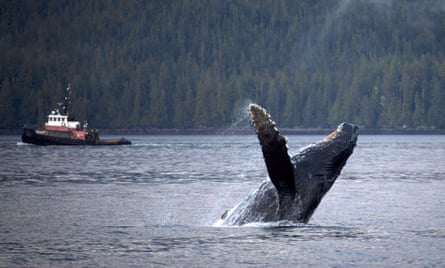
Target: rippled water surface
x,y
154,203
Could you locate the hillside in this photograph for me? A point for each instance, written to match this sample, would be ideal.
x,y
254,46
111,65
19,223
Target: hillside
x,y
190,63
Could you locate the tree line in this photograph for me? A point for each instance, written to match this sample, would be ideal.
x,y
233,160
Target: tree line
x,y
194,63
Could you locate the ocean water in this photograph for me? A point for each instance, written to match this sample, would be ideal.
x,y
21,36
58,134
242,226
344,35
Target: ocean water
x,y
154,203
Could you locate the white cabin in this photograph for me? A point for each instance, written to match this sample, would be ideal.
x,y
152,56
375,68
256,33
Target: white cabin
x,y
55,119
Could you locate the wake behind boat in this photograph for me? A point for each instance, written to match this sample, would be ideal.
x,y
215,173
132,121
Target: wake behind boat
x,y
62,129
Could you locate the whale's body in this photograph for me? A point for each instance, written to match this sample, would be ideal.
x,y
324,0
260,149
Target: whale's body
x,y
298,183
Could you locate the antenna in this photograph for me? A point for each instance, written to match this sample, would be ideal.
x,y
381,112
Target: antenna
x,y
67,104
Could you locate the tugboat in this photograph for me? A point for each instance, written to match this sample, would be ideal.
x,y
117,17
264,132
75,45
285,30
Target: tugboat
x,y
62,129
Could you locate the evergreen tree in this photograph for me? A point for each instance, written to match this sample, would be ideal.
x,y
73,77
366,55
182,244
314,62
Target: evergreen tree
x,y
6,105
162,64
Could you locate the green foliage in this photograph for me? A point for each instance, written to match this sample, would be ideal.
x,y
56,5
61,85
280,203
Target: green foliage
x,y
192,63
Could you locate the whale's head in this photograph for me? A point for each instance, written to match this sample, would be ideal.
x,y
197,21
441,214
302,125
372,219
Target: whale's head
x,y
348,132
338,145
331,153
344,134
343,143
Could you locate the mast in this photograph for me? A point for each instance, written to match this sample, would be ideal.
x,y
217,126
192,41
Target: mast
x,y
67,102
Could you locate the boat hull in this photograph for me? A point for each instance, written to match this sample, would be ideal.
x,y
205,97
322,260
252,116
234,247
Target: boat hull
x,y
44,137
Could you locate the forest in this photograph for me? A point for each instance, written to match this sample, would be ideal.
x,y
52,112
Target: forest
x,y
188,64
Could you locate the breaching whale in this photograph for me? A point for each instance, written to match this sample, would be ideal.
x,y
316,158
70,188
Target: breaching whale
x,y
298,183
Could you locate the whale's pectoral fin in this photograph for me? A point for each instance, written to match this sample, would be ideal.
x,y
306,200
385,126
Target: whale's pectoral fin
x,y
274,147
279,166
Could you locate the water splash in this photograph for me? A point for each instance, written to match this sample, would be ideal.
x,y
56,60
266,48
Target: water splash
x,y
240,118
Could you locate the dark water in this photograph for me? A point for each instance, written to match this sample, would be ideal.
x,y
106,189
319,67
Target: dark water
x,y
155,203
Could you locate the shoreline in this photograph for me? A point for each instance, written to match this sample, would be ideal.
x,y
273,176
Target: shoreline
x,y
248,131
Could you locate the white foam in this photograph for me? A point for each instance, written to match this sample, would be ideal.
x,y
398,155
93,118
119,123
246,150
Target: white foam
x,y
274,224
20,143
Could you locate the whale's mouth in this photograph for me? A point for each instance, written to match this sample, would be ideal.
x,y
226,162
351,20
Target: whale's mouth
x,y
347,130
350,130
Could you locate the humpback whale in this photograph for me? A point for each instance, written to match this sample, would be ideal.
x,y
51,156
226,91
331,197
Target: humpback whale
x,y
298,183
